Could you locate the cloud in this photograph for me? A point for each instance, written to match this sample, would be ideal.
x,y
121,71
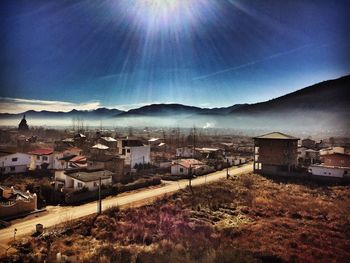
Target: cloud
x,y
16,105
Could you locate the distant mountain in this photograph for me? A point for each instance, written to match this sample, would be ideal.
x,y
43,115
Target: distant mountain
x,y
154,110
322,106
85,114
331,96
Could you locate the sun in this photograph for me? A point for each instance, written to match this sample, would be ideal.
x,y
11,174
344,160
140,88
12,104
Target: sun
x,y
165,15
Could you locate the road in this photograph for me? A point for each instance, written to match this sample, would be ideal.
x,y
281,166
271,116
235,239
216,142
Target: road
x,y
59,214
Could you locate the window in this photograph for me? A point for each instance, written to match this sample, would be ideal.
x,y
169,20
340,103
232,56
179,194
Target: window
x,y
80,185
128,150
45,158
181,170
38,157
345,172
12,168
14,159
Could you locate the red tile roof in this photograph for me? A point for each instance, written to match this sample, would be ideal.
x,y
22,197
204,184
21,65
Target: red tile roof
x,y
78,159
44,151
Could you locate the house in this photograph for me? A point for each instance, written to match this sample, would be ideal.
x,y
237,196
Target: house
x,y
333,165
41,159
16,203
336,159
12,163
275,152
134,151
185,167
209,153
307,156
110,162
77,179
329,171
185,152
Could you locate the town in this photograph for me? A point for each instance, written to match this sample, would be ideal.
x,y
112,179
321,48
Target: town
x,y
71,167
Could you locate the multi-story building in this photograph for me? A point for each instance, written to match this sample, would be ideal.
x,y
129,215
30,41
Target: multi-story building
x,y
275,152
134,151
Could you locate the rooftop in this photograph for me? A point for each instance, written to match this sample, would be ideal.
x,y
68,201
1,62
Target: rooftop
x,y
44,151
109,139
100,146
187,163
91,176
153,139
276,136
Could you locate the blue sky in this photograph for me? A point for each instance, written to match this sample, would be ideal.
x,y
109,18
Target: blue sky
x,y
128,53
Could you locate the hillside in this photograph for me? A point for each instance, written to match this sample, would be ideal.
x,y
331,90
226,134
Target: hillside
x,y
245,219
331,96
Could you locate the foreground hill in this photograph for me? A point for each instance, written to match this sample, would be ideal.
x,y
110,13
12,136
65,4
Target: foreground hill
x,y
247,219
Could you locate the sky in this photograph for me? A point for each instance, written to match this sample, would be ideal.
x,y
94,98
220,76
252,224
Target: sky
x,y
60,55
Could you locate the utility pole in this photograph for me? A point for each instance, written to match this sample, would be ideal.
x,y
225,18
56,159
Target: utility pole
x,y
99,204
227,174
190,178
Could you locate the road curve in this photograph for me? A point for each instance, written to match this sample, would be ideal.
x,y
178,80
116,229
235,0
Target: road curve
x,y
58,214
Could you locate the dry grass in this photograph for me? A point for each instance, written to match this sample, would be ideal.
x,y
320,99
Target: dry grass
x,y
251,219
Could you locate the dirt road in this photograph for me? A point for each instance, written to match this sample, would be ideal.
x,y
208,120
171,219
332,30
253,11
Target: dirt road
x,y
58,214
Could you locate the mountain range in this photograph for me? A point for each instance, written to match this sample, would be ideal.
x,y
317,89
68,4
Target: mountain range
x,y
322,102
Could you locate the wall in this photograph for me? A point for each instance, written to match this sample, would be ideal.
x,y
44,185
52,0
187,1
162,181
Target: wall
x,y
23,161
329,171
91,185
38,161
138,155
275,153
175,170
341,160
18,207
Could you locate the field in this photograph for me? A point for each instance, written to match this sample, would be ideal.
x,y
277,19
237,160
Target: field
x,y
245,219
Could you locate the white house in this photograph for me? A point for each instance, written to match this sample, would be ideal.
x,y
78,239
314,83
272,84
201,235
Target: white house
x,y
41,159
12,163
182,167
78,179
134,151
330,171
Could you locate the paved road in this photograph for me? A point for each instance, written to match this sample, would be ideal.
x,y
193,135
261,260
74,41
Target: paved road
x,y
58,214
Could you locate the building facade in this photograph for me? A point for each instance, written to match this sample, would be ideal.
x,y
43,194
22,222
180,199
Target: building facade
x,y
14,163
275,152
41,159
